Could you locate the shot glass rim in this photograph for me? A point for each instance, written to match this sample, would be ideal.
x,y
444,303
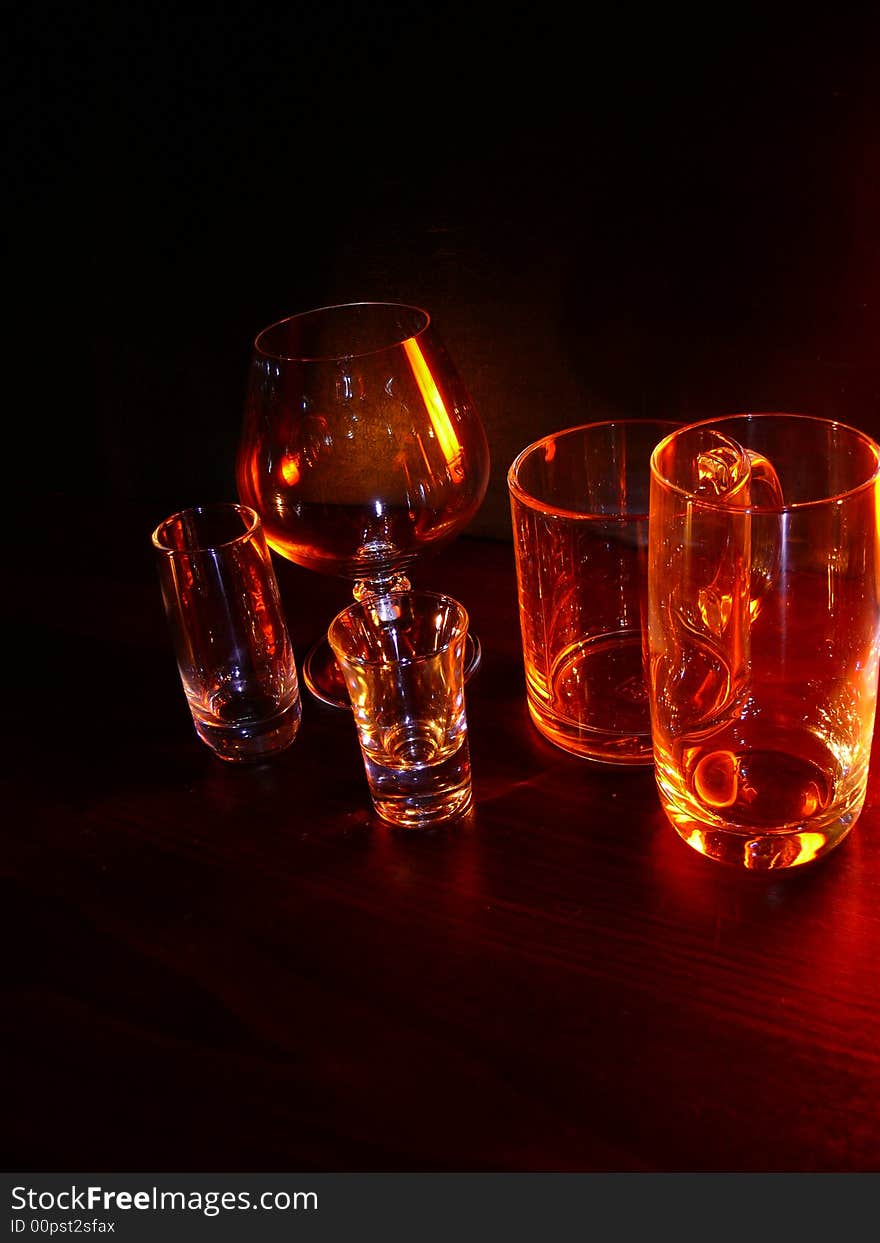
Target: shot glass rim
x,y
286,357
365,662
720,503
532,502
253,520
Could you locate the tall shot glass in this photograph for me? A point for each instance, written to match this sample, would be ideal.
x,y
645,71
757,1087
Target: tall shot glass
x,y
579,506
230,638
402,657
764,633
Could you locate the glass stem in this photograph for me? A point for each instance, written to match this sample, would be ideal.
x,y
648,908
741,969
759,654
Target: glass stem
x,y
370,588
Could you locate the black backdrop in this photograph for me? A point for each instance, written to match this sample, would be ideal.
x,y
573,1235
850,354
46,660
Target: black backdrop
x,y
609,212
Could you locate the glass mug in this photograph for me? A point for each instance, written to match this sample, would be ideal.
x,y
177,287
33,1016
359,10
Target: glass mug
x,y
763,633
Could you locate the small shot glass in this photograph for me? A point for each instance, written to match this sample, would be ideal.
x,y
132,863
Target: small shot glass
x,y
402,657
230,638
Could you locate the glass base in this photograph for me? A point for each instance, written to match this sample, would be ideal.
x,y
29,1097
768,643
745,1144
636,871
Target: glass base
x,y
250,741
324,679
764,852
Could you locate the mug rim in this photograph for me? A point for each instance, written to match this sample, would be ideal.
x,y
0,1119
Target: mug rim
x,y
718,423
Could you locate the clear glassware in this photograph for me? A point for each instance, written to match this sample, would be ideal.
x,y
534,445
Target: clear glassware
x,y
360,450
230,637
764,633
579,509
402,657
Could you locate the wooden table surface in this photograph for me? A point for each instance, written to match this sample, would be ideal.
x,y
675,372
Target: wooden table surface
x,y
239,969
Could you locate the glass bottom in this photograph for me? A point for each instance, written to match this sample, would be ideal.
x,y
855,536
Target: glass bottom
x,y
621,750
594,703
324,679
760,794
420,795
250,740
764,852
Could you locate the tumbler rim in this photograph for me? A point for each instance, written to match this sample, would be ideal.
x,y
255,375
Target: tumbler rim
x,y
314,312
532,502
250,514
788,507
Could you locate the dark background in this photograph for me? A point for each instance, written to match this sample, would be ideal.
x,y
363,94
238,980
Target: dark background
x,y
611,211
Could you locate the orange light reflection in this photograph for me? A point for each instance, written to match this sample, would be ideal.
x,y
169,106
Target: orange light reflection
x,y
290,469
440,420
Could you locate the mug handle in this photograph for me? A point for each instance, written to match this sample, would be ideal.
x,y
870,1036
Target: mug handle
x,y
720,475
765,492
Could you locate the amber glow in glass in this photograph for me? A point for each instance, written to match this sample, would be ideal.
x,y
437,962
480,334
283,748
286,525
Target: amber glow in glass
x,y
764,633
360,450
402,656
579,507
